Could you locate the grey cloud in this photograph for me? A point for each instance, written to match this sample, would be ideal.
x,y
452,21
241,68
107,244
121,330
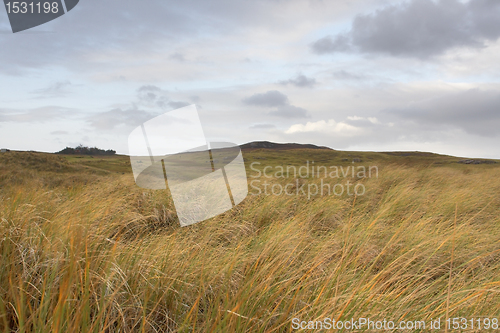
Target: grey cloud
x,y
418,29
178,104
100,26
152,96
271,98
360,122
290,111
41,114
274,98
195,98
149,88
117,117
177,56
59,133
340,43
148,97
133,28
474,111
262,126
301,81
56,89
345,75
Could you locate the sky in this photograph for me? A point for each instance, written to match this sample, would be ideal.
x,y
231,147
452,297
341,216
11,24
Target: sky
x,y
370,75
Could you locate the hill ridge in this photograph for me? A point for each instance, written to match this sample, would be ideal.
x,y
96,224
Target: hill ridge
x,y
279,146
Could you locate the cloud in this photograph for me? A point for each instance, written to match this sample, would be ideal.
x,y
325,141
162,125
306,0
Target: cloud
x,y
110,37
153,96
326,127
290,111
195,98
344,75
56,89
274,98
262,126
418,29
363,121
475,111
271,98
35,115
177,56
101,26
178,104
151,101
149,88
340,43
59,133
117,117
300,81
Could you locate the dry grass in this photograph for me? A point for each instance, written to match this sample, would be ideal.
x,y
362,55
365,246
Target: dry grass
x,y
88,251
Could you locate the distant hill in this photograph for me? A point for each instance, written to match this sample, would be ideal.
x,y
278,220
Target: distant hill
x,y
279,146
82,150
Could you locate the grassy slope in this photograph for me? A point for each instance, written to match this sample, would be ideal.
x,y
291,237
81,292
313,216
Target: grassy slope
x,y
84,249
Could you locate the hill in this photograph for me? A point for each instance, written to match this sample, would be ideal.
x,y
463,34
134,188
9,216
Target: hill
x,y
278,146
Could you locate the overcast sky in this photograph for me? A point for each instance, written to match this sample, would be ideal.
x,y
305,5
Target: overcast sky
x,y
349,74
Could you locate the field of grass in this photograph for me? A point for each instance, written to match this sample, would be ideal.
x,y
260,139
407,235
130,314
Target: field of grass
x,y
83,249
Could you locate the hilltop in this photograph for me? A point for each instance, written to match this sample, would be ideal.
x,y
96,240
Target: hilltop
x,y
279,146
83,150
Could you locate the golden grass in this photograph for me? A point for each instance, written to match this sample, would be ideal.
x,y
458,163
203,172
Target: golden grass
x,y
88,251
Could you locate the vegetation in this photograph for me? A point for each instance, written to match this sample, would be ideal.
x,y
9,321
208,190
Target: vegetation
x,y
82,150
83,249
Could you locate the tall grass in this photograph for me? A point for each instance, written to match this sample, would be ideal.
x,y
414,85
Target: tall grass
x,y
98,254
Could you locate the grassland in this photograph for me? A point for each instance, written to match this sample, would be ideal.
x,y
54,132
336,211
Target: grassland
x,y
83,249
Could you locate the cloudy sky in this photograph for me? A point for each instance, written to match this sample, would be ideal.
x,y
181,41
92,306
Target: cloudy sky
x,y
349,74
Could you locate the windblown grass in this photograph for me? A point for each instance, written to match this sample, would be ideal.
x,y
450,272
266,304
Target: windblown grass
x,y
87,251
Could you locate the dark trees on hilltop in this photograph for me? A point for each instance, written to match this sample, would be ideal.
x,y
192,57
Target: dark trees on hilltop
x,y
82,150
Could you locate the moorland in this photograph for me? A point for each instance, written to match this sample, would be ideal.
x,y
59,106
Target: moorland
x,y
83,249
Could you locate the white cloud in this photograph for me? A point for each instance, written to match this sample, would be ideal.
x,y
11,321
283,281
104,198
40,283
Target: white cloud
x,y
322,126
372,120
